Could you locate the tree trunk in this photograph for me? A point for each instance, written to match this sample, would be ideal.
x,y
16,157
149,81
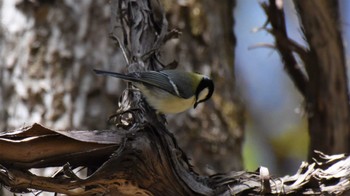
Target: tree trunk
x,y
48,51
140,156
212,136
327,92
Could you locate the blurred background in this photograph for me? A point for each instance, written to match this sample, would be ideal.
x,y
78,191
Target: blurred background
x,y
256,117
276,123
276,129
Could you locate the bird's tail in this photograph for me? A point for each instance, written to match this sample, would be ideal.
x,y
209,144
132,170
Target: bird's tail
x,y
116,75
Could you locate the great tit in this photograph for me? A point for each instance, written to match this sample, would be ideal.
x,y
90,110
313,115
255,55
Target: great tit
x,y
169,91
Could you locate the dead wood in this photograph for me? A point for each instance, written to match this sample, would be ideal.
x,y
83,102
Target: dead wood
x,y
145,160
138,155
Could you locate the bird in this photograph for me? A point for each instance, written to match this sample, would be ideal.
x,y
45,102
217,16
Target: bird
x,y
169,91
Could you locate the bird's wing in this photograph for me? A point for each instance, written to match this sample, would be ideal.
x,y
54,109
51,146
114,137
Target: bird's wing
x,y
156,79
160,80
117,75
176,82
187,83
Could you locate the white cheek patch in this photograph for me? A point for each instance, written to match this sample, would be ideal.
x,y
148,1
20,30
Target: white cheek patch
x,y
203,94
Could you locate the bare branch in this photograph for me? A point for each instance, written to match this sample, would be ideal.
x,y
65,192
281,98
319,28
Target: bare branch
x,y
285,46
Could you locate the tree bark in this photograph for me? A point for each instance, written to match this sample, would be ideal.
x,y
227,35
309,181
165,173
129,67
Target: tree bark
x,y
327,92
146,159
324,82
48,50
47,78
213,135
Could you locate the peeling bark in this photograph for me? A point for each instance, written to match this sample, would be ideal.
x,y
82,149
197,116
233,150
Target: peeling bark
x,y
145,162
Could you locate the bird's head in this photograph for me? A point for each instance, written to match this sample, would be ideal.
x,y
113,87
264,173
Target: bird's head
x,y
204,90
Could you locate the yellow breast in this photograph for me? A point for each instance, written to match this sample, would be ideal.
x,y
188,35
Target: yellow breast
x,y
173,106
165,102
